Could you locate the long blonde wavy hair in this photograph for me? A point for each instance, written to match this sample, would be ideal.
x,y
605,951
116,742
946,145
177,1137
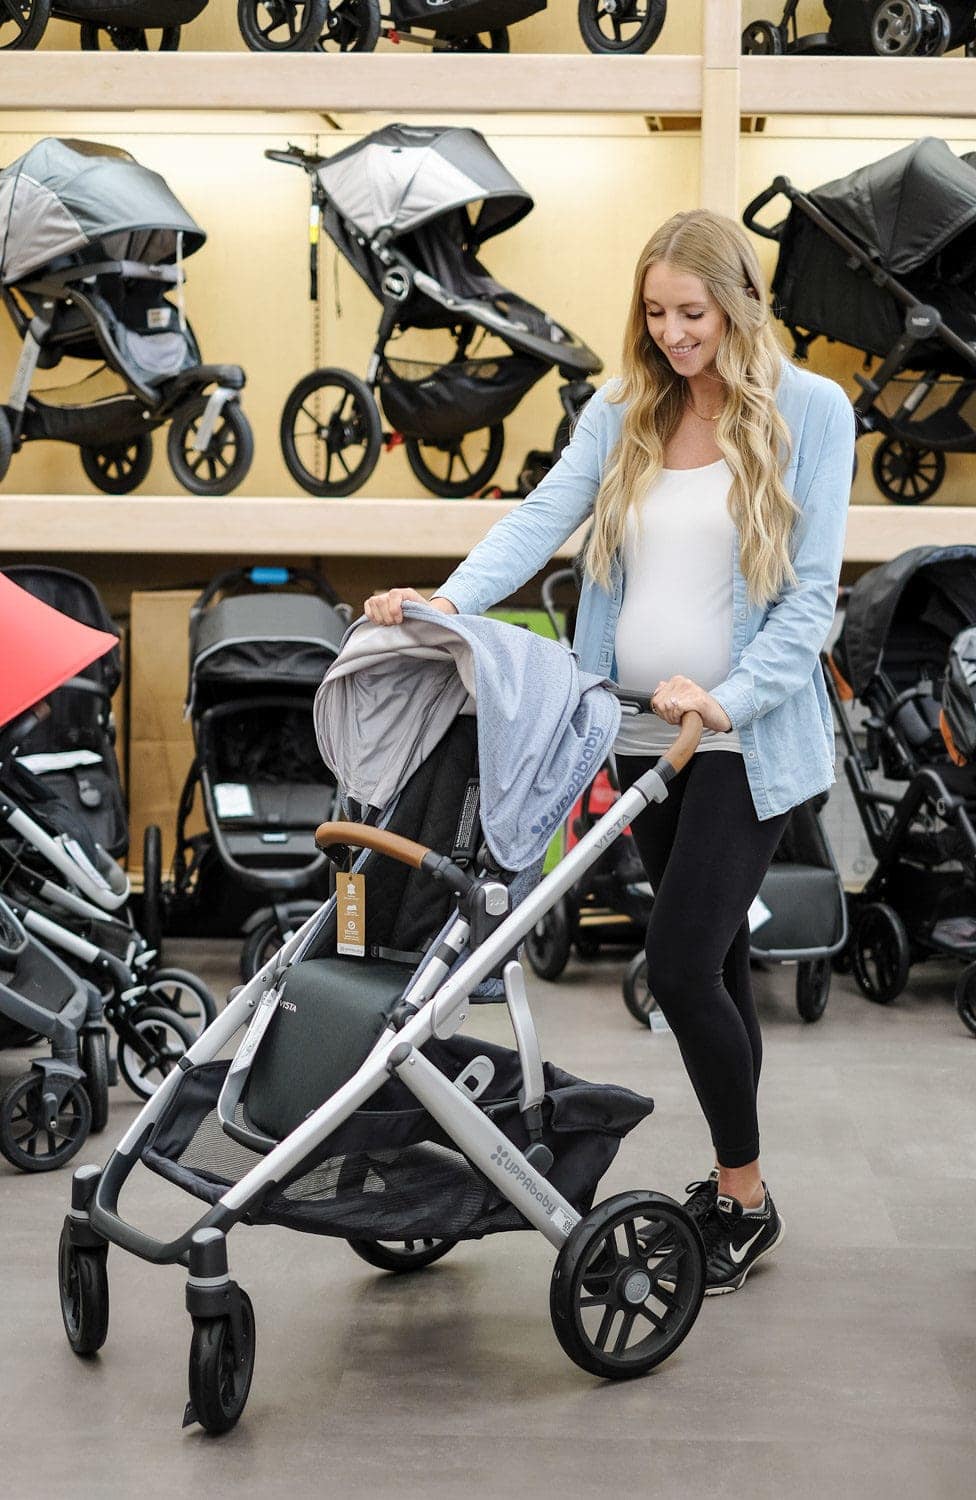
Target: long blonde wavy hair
x,y
750,432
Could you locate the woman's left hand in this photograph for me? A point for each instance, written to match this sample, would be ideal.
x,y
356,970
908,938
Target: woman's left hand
x,y
679,695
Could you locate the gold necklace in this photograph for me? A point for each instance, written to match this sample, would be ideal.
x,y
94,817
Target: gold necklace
x,y
701,417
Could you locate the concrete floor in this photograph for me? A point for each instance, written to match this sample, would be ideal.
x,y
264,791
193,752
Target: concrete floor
x,y
846,1366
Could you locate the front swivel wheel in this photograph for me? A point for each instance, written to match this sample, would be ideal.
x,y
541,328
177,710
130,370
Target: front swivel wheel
x,y
221,1368
627,1285
83,1289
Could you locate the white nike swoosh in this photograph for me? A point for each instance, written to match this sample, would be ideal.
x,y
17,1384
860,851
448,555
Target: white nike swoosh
x,y
738,1256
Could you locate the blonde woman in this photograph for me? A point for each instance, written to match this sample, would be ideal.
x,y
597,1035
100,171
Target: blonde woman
x,y
717,476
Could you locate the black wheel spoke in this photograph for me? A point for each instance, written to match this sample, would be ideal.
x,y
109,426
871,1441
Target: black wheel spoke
x,y
623,1334
603,1332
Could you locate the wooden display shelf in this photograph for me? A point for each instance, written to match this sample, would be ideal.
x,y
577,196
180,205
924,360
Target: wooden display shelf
x,y
454,83
940,86
360,527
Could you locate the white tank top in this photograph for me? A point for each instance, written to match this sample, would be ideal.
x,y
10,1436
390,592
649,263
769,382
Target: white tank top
x,y
676,616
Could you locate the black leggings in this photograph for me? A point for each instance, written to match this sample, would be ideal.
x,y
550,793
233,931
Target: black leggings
x,y
705,853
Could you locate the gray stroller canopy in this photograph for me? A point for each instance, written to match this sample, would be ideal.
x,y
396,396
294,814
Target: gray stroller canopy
x,y
544,727
907,207
62,196
403,176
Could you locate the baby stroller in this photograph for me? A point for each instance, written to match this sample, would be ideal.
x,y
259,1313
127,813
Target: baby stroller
x,y
885,260
890,659
611,902
444,26
47,1113
90,245
261,640
354,1107
409,207
127,25
799,917
866,28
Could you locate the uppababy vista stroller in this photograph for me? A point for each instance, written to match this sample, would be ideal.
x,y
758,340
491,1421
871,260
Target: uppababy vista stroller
x,y
885,260
91,243
353,1106
866,28
410,207
890,659
441,25
261,640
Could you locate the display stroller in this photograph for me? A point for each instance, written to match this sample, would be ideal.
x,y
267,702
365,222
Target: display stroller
x,y
891,660
885,260
867,28
261,640
410,207
354,1106
128,25
91,246
441,25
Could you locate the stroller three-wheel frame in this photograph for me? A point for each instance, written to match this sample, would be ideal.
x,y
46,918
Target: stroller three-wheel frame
x,y
883,260
409,208
865,28
629,1273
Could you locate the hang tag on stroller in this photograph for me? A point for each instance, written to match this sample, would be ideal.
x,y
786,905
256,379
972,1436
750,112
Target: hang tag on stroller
x,y
351,901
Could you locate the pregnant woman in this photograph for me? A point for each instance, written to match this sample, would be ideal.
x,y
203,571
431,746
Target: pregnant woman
x,y
716,477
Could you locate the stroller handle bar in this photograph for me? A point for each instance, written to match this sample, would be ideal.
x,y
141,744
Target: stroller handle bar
x,y
296,157
775,231
418,856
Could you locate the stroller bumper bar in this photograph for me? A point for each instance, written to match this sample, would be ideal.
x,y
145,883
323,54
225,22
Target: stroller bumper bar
x,y
360,836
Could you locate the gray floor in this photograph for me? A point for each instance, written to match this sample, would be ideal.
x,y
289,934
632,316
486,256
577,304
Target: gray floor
x,y
845,1367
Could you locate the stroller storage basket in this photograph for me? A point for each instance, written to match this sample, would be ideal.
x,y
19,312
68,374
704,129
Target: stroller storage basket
x,y
466,17
388,1172
438,403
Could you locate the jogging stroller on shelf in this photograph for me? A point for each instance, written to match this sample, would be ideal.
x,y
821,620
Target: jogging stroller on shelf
x,y
127,25
866,28
450,26
261,640
353,1106
890,660
610,904
91,244
885,260
410,207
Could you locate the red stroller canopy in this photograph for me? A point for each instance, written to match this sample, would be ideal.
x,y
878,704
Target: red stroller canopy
x,y
40,648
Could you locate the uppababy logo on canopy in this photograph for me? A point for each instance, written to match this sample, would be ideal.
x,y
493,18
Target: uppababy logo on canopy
x,y
502,1159
584,774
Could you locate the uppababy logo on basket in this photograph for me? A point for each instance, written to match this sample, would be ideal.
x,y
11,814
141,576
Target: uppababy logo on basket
x,y
502,1159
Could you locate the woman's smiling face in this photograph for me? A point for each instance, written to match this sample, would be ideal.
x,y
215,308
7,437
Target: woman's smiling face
x,y
682,318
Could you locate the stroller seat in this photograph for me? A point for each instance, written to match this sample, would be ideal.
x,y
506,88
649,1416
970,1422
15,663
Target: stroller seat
x,y
279,804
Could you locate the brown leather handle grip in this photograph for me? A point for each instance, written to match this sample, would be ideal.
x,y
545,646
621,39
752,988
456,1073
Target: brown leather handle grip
x,y
686,744
362,836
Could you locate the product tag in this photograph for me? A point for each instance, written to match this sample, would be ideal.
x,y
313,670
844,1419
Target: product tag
x,y
758,913
351,903
232,799
158,317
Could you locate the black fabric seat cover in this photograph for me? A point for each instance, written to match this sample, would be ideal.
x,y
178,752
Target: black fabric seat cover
x,y
333,1011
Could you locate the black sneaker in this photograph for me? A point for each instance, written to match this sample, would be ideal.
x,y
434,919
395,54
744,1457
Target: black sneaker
x,y
701,1197
735,1240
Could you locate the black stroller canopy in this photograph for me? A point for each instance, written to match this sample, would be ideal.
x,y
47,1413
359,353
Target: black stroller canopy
x,y
62,197
943,602
404,176
909,208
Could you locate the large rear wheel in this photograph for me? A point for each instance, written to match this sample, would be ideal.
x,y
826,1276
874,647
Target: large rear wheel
x,y
281,25
22,23
622,26
151,1044
905,474
460,467
331,433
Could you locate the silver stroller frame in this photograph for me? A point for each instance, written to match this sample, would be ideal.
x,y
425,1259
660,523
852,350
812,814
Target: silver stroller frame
x,y
435,1004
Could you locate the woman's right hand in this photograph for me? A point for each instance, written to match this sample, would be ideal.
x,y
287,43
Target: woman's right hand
x,y
387,608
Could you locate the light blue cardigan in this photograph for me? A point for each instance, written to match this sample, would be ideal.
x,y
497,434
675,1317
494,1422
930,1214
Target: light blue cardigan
x,y
774,693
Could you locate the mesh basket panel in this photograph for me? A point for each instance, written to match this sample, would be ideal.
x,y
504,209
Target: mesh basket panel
x,y
439,403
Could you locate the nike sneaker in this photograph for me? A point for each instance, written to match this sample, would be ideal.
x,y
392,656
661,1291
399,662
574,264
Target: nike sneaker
x,y
735,1240
701,1197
